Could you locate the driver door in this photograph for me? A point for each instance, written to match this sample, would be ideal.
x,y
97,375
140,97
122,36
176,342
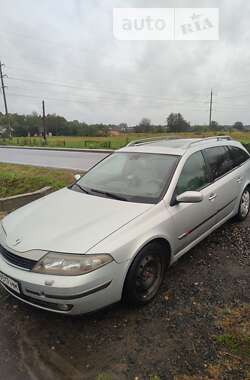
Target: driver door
x,y
191,220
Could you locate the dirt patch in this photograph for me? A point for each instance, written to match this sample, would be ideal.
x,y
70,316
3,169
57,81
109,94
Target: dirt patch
x,y
204,296
2,215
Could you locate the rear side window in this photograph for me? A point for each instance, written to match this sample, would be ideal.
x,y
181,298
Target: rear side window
x,y
238,155
194,175
219,161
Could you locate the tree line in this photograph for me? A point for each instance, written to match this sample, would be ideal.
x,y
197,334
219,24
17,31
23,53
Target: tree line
x,y
32,125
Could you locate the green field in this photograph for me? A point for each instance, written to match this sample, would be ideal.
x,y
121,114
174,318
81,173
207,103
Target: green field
x,y
109,142
19,179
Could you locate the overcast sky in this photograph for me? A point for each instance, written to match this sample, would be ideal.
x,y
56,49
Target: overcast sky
x,y
64,51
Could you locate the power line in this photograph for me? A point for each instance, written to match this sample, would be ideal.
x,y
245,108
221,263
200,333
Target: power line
x,y
99,98
137,98
80,101
110,101
57,84
88,88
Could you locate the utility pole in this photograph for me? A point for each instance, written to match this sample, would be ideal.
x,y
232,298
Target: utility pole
x,y
44,122
2,76
211,107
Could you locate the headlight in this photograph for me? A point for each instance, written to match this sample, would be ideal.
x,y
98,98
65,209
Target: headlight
x,y
63,264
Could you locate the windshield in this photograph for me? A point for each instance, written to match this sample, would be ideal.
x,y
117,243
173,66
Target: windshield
x,y
134,177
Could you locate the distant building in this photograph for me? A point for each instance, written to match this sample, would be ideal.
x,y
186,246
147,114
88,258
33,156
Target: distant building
x,y
114,133
4,131
117,130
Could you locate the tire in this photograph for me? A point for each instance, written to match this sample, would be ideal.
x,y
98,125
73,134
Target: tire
x,y
145,275
244,205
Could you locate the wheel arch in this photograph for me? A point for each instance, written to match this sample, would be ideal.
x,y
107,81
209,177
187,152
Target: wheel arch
x,y
162,240
159,240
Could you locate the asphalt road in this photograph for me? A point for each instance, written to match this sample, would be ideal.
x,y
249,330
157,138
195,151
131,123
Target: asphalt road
x,y
51,158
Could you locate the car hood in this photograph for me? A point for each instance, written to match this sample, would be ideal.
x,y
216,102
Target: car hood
x,y
67,221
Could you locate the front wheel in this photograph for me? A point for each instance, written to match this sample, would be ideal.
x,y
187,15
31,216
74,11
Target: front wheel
x,y
145,275
244,205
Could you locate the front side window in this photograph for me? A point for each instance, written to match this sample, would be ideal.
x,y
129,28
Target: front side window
x,y
194,175
134,177
219,160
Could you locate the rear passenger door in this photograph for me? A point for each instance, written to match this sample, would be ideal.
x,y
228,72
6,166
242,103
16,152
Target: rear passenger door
x,y
242,172
225,179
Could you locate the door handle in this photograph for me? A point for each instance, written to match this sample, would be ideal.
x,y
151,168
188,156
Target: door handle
x,y
212,197
239,180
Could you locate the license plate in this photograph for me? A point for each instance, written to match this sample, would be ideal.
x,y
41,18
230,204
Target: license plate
x,y
9,282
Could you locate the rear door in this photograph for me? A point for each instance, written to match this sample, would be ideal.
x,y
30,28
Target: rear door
x,y
240,157
224,177
192,220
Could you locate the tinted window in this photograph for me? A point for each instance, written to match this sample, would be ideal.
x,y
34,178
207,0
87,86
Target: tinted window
x,y
194,175
238,155
219,160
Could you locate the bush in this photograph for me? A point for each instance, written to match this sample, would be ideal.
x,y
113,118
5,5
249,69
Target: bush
x,y
247,146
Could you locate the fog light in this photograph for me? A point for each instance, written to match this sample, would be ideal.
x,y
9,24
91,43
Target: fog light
x,y
64,307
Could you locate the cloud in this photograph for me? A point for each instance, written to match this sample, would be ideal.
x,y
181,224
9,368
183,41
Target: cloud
x,y
65,53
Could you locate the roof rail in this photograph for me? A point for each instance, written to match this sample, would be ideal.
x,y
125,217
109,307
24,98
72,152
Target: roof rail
x,y
152,139
148,140
217,138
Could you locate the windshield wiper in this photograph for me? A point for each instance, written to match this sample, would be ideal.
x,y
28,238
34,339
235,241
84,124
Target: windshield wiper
x,y
110,195
82,188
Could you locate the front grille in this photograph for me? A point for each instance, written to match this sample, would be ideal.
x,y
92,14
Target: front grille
x,y
16,260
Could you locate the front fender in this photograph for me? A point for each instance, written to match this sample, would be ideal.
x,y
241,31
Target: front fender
x,y
125,243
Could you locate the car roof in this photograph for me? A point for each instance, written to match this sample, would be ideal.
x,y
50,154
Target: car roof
x,y
176,146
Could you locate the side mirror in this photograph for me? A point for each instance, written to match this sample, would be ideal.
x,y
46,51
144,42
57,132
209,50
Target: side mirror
x,y
190,197
77,177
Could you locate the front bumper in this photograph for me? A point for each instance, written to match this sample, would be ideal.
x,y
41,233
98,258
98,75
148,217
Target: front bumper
x,y
68,294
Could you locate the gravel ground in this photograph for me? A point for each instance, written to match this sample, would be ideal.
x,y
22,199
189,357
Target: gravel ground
x,y
204,296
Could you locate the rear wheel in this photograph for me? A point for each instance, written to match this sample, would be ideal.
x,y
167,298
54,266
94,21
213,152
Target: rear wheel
x,y
145,275
244,205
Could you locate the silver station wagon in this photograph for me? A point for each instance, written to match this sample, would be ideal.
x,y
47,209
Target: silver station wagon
x,y
112,234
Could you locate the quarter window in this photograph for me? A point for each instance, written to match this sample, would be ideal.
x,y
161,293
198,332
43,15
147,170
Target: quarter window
x,y
194,175
238,155
219,160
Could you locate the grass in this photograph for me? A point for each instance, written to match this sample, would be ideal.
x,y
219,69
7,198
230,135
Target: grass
x,y
104,376
18,179
236,336
232,346
236,344
113,142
